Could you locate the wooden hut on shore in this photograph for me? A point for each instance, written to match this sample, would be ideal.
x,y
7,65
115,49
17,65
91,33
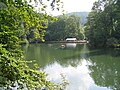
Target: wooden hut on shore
x,y
71,39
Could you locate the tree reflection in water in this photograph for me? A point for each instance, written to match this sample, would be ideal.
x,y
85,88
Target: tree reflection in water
x,y
105,68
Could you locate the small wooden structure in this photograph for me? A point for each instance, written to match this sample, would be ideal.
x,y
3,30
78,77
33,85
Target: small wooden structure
x,y
71,39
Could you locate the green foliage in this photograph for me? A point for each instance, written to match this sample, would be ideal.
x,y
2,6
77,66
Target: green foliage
x,y
103,22
14,69
65,26
83,16
17,17
112,42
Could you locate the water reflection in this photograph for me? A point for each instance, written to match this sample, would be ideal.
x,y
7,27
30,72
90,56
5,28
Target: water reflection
x,y
77,80
71,45
85,69
105,69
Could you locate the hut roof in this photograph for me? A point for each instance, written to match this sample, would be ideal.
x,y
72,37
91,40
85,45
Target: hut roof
x,y
71,39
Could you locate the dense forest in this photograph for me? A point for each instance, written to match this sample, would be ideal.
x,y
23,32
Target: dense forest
x,y
83,16
103,26
65,26
68,25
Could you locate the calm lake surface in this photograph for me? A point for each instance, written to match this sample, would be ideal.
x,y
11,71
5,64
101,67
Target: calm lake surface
x,y
85,69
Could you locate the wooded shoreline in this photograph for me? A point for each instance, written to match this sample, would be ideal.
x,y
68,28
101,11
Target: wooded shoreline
x,y
78,41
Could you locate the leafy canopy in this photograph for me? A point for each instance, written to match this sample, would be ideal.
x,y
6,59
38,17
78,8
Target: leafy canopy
x,y
103,23
16,19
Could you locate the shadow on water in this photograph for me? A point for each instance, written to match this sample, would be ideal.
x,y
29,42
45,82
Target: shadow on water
x,y
105,51
104,66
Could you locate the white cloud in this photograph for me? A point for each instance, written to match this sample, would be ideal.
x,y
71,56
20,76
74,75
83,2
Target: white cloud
x,y
77,76
78,5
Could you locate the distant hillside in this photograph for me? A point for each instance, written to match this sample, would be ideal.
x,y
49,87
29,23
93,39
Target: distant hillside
x,y
83,16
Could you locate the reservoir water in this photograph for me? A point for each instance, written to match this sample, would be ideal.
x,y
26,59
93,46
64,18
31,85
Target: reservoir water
x,y
84,68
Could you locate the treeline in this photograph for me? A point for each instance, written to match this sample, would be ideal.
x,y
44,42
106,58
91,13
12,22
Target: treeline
x,y
103,26
65,26
83,16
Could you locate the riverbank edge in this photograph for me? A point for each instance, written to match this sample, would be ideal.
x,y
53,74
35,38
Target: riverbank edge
x,y
79,41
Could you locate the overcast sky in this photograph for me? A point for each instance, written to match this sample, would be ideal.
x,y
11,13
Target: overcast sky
x,y
76,6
